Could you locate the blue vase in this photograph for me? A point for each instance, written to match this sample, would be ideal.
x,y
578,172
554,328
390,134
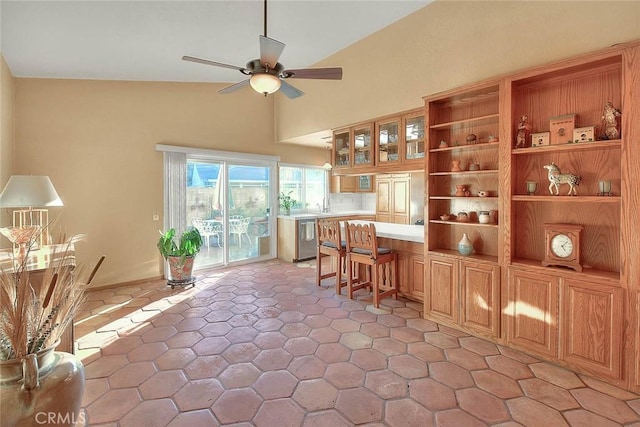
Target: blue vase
x,y
465,246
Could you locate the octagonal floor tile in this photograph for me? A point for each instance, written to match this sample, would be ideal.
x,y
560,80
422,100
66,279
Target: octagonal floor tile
x,y
386,384
315,394
163,384
112,406
326,418
279,412
239,375
432,394
482,405
205,367
407,413
275,384
496,384
344,375
200,417
156,412
132,375
359,405
235,406
198,394
333,352
307,367
273,359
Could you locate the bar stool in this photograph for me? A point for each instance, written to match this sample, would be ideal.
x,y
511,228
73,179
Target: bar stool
x,y
362,248
330,244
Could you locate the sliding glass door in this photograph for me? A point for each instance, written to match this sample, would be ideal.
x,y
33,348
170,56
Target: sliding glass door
x,y
229,203
227,196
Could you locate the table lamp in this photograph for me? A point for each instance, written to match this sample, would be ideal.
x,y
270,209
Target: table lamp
x,y
27,191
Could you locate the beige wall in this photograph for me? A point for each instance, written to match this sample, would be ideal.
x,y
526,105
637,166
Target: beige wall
x,y
447,44
6,135
96,140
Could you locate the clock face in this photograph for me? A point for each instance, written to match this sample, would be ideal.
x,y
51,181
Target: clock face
x,y
562,245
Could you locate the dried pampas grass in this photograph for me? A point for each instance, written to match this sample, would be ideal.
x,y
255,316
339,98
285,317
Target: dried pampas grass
x,y
33,315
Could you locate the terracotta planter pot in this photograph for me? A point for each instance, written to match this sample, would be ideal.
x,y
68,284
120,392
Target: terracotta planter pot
x,y
180,269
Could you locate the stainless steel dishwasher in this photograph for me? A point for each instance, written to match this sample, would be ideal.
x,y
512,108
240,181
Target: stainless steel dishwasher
x,y
306,247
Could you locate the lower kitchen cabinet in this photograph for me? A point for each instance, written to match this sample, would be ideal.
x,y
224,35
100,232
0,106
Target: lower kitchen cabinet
x,y
464,293
592,327
532,312
578,322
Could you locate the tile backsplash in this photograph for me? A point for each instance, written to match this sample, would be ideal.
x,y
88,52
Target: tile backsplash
x,y
352,202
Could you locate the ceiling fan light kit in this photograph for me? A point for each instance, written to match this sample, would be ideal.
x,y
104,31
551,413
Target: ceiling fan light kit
x,y
265,83
267,74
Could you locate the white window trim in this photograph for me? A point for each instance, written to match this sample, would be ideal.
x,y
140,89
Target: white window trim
x,y
223,155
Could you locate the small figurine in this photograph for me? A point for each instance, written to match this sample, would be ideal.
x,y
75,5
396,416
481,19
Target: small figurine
x,y
471,139
523,127
610,119
556,178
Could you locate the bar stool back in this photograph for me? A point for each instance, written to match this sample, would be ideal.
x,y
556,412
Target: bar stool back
x,y
362,248
329,243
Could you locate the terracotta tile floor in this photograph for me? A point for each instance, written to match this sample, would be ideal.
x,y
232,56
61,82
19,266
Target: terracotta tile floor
x,y
262,345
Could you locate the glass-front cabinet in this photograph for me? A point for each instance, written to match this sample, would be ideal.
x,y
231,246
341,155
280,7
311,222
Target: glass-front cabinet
x,y
353,147
388,132
363,145
413,135
342,149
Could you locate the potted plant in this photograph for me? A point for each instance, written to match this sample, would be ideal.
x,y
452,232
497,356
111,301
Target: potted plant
x,y
287,202
181,254
37,307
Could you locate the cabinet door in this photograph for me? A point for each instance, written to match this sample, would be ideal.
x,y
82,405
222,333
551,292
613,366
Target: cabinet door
x,y
342,149
363,146
416,277
592,327
383,200
532,312
400,201
413,135
441,299
480,297
388,141
343,184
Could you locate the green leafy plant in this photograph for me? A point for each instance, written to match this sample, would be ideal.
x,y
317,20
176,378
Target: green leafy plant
x,y
189,244
286,201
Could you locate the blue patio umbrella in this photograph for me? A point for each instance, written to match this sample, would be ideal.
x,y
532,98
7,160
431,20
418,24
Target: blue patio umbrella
x,y
196,181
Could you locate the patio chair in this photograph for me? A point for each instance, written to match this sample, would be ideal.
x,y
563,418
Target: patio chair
x,y
208,228
240,227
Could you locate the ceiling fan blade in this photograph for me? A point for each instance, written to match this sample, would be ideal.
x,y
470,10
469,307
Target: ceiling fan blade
x,y
290,91
314,73
270,51
207,62
234,87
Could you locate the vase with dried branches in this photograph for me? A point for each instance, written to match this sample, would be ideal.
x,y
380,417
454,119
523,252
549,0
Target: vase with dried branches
x,y
35,310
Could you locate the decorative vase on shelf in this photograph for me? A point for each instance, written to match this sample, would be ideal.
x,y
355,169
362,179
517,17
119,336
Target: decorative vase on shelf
x,y
465,246
42,388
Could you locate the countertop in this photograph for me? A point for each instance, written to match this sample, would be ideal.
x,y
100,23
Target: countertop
x,y
409,233
313,215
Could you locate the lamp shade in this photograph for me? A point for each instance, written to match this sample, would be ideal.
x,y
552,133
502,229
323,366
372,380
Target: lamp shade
x,y
29,191
264,83
327,166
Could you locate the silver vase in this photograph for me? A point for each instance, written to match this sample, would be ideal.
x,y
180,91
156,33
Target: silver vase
x,y
45,388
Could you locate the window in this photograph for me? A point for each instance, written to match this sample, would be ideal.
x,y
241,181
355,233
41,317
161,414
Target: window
x,y
308,185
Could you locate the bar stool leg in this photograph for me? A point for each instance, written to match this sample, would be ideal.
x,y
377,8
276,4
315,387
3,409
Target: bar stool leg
x,y
339,263
374,285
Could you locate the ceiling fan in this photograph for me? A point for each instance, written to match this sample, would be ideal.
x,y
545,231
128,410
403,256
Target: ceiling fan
x,y
267,74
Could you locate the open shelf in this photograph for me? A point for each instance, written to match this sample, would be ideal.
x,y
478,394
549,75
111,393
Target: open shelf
x,y
612,277
474,173
481,120
456,255
597,145
481,145
567,199
453,222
